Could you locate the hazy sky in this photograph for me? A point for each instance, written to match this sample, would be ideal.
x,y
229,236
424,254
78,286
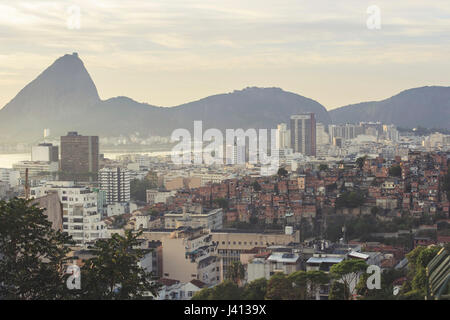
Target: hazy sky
x,y
167,52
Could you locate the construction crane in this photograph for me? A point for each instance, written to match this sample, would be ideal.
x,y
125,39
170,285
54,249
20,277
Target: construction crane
x,y
27,186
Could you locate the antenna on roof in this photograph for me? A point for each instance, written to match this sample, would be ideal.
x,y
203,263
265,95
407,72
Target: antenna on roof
x,y
46,133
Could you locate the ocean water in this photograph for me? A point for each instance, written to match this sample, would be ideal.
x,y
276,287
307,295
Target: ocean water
x,y
7,160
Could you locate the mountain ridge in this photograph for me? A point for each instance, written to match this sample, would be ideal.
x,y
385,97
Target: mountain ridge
x,y
65,98
427,106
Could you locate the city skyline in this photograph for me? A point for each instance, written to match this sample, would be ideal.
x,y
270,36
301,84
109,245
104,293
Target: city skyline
x,y
145,50
189,150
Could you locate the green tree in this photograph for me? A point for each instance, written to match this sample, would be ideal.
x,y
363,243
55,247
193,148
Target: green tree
x,y
387,286
375,210
315,280
323,167
114,273
360,162
446,184
280,287
350,199
256,186
347,272
419,282
203,294
153,212
361,287
427,255
412,295
33,255
236,272
255,290
413,260
299,283
152,176
338,291
222,203
282,172
138,189
395,171
226,290
418,260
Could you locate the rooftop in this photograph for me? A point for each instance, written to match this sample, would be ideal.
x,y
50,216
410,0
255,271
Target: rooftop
x,y
359,255
284,257
325,260
168,282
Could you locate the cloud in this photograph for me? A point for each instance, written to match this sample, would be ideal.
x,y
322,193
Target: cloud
x,y
181,37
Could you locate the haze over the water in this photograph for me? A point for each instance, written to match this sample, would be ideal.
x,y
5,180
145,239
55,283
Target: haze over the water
x,y
168,52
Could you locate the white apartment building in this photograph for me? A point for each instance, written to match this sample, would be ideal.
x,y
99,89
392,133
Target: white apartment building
x,y
390,132
36,168
322,137
10,176
283,136
344,131
235,154
436,140
116,184
44,152
4,188
323,262
81,219
282,262
285,156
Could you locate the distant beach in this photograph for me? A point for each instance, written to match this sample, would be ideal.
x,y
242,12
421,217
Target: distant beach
x,y
8,159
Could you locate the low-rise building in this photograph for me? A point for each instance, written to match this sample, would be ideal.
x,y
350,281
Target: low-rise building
x,y
176,290
231,243
156,196
189,254
194,217
276,262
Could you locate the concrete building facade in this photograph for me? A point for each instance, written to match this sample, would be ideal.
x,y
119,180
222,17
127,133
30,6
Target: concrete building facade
x,y
115,182
79,156
303,134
